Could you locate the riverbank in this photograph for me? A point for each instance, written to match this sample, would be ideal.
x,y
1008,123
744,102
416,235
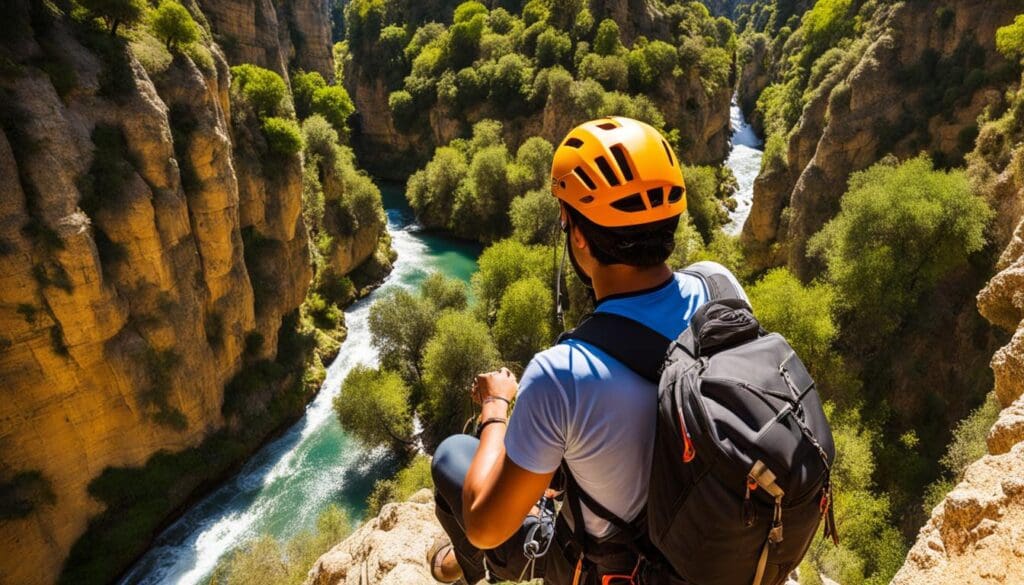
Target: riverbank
x,y
282,488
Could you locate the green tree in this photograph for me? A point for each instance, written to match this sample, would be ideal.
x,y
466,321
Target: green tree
x,y
116,12
553,48
1010,39
431,189
401,324
283,135
459,350
607,40
463,43
502,264
173,24
444,292
468,10
304,85
335,105
261,88
535,218
702,202
900,229
532,166
523,326
373,405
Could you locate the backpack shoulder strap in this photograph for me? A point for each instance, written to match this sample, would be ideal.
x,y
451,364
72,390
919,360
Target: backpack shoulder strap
x,y
720,283
636,345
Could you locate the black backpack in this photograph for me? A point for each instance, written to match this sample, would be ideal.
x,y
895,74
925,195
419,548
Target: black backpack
x,y
740,476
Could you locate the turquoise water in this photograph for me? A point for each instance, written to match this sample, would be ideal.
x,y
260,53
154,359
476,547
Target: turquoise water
x,y
284,486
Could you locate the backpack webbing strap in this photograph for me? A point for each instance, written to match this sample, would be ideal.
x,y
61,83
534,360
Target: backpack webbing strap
x,y
636,345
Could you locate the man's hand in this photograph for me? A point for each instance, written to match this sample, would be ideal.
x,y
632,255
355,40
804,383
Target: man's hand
x,y
497,494
500,384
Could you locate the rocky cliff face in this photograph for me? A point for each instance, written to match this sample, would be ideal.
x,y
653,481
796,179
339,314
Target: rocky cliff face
x,y
279,36
882,101
145,243
976,535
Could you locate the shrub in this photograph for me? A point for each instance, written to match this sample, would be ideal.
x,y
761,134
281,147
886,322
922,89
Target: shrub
x,y
116,12
463,43
1010,39
402,108
373,405
411,479
173,24
899,231
261,88
611,71
335,105
468,10
304,85
702,202
283,136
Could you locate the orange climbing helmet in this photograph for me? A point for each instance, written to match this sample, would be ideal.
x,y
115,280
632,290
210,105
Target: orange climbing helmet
x,y
618,172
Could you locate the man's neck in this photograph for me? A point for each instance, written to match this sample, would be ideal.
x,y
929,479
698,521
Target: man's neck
x,y
617,279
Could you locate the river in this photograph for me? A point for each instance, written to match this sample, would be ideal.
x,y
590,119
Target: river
x,y
284,486
745,162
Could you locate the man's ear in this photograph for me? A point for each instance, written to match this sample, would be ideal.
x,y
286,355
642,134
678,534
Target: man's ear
x,y
577,237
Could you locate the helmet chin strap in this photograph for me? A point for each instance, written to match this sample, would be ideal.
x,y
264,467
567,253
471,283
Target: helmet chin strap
x,y
586,280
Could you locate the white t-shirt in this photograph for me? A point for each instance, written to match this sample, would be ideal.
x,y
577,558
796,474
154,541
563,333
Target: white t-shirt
x,y
578,403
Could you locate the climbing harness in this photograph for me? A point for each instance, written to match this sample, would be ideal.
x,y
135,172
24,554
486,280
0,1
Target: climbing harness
x,y
539,537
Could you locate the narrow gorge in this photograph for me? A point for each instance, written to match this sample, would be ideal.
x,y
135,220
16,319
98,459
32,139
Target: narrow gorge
x,y
252,253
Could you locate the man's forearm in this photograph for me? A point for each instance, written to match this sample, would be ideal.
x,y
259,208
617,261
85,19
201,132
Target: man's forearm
x,y
488,459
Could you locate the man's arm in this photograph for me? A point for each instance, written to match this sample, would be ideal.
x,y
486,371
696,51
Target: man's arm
x,y
498,494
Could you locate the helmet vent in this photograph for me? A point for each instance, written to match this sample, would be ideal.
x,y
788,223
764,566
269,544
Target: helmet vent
x,y
606,170
631,204
620,157
586,199
656,196
675,194
607,126
668,153
574,142
585,178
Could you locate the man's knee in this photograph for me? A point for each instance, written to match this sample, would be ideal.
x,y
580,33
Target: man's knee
x,y
452,458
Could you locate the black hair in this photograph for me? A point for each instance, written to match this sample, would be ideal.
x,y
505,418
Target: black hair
x,y
643,245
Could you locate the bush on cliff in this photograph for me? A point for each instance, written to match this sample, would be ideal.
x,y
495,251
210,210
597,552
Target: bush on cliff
x,y
173,24
116,12
283,135
263,89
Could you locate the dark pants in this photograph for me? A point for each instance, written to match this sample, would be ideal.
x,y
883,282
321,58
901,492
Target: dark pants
x,y
506,562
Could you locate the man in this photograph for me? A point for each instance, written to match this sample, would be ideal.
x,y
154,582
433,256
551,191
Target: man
x,y
621,192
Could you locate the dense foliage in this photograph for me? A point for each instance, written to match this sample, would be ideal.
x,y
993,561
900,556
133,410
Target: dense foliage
x,y
172,24
550,56
900,230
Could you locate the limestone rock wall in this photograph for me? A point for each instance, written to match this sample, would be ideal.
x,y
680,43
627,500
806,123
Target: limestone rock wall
x,y
976,535
144,235
387,550
276,35
874,112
